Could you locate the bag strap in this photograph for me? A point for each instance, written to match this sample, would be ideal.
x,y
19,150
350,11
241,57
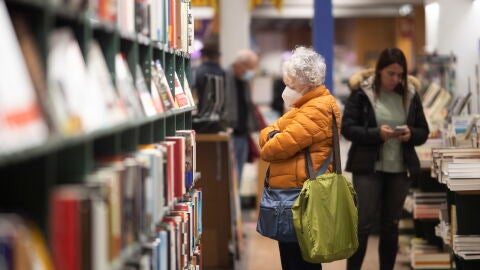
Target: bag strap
x,y
337,164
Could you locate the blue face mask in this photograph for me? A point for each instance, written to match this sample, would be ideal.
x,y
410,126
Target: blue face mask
x,y
248,75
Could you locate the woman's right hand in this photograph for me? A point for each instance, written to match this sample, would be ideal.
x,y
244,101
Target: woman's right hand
x,y
387,133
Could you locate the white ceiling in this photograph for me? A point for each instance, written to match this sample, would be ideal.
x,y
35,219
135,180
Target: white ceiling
x,y
303,9
296,9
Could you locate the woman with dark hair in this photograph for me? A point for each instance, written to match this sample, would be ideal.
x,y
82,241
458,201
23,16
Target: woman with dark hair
x,y
384,119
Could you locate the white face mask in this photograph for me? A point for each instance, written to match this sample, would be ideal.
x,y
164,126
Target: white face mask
x,y
289,96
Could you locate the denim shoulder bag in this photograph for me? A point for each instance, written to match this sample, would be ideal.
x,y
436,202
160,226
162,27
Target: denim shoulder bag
x,y
275,219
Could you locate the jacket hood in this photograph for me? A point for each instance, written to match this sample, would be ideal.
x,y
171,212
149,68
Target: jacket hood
x,y
364,80
357,78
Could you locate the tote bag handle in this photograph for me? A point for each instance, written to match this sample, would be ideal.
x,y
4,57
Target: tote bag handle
x,y
337,163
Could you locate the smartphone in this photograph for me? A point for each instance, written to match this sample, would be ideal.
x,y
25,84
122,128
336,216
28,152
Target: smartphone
x,y
401,128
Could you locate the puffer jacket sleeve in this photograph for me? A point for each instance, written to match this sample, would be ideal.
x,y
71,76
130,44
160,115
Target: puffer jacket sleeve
x,y
419,129
264,134
310,121
354,123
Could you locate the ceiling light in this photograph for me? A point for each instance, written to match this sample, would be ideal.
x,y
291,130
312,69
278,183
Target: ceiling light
x,y
405,10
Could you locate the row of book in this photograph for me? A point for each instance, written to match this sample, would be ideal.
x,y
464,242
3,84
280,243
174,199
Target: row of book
x,y
458,168
136,209
76,95
169,22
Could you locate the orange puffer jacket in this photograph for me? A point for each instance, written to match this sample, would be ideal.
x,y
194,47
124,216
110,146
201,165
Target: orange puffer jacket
x,y
307,124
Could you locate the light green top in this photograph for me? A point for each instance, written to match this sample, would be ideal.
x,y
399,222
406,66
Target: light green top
x,y
389,110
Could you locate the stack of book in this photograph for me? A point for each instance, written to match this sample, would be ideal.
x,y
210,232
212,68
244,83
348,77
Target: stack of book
x,y
427,204
467,246
463,174
458,168
425,256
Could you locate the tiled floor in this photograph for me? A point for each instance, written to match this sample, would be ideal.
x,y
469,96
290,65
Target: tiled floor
x,y
261,253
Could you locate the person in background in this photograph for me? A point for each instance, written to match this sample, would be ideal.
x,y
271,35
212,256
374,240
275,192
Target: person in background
x,y
277,101
210,56
384,119
239,108
306,125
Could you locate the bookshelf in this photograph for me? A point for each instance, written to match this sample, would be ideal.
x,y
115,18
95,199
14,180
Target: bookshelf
x,y
222,240
29,174
460,217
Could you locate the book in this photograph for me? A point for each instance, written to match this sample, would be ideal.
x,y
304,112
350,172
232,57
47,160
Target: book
x,y
179,165
126,88
156,99
180,96
188,91
169,169
99,74
66,226
190,155
142,17
145,97
161,83
33,62
126,16
21,123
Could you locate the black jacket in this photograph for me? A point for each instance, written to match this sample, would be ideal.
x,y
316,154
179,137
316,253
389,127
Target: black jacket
x,y
359,125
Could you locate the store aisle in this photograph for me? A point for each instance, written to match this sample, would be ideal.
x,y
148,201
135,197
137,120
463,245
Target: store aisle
x,y
261,253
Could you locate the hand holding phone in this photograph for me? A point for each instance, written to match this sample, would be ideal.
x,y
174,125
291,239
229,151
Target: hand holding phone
x,y
401,129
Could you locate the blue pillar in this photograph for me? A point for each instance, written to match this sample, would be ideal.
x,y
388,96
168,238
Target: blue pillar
x,y
323,36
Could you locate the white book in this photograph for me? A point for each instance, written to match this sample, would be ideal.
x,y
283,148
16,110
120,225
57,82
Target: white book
x,y
97,68
21,121
78,105
126,88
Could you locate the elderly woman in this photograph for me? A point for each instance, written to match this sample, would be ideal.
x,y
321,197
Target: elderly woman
x,y
307,124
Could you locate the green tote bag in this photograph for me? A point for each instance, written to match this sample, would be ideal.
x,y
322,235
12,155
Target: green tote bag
x,y
325,214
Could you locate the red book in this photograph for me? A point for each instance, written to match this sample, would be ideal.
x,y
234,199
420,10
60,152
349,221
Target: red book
x,y
179,165
170,171
65,227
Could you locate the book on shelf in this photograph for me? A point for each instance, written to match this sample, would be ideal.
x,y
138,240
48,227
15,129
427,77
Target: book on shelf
x,y
157,100
143,10
467,246
100,76
104,10
180,96
126,88
157,13
21,244
161,83
179,164
126,15
33,62
79,102
190,155
154,187
145,97
426,256
22,124
169,169
188,91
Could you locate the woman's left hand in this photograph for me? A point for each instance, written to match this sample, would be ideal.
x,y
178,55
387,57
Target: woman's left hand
x,y
405,136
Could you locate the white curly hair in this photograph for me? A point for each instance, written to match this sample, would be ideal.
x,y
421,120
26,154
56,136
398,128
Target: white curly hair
x,y
305,68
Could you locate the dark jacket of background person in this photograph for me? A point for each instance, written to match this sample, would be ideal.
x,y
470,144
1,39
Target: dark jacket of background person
x,y
359,125
237,91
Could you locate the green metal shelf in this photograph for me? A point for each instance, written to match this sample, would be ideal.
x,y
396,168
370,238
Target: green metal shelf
x,y
58,142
